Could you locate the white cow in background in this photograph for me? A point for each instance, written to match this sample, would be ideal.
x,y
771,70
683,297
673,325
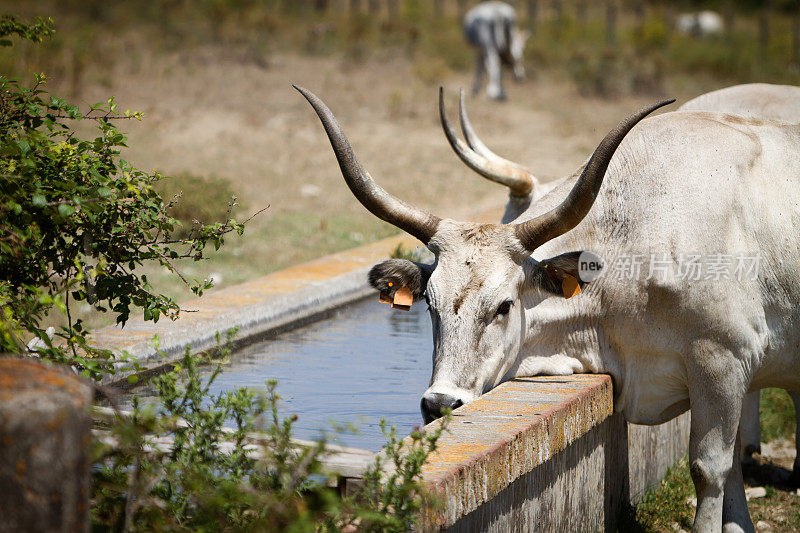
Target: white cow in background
x,y
505,301
491,27
700,25
773,102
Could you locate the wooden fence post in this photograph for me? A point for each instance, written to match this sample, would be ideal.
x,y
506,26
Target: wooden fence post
x,y
580,11
611,22
558,12
671,16
374,7
45,434
462,9
730,20
639,11
533,13
763,29
796,38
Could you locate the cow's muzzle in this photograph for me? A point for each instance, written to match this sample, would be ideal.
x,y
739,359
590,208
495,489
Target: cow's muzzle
x,y
434,403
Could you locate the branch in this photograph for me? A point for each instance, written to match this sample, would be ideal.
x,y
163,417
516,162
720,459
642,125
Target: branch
x,y
223,231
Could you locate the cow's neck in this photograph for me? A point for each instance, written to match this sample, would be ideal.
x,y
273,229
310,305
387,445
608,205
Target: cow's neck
x,y
563,337
566,336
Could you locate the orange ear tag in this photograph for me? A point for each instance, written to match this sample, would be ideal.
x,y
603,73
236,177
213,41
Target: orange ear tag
x,y
384,298
403,299
570,286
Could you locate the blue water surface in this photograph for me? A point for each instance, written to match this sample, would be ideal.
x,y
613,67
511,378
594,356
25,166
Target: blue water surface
x,y
364,362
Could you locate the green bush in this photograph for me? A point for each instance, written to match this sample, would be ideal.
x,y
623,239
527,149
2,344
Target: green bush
x,y
76,221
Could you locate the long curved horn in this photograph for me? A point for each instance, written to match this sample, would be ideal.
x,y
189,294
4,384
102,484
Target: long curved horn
x,y
478,145
380,203
514,177
571,211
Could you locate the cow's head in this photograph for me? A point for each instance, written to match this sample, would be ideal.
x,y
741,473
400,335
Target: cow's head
x,y
475,285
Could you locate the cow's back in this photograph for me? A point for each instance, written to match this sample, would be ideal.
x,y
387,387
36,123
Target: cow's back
x,y
691,183
759,100
481,22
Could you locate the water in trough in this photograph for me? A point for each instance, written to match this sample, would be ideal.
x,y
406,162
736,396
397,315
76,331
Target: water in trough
x,y
364,362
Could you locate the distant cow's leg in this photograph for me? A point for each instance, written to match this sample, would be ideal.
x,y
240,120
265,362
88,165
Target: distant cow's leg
x,y
749,427
796,468
479,70
735,517
494,88
716,391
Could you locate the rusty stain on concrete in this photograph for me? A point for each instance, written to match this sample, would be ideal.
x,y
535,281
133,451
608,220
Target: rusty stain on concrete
x,y
543,439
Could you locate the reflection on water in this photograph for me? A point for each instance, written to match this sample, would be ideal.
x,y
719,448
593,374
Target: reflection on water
x,y
365,362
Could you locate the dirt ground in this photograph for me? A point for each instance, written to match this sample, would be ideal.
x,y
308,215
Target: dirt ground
x,y
213,112
779,509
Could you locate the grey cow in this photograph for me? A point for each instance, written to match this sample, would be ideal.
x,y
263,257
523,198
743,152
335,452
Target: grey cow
x,y
491,27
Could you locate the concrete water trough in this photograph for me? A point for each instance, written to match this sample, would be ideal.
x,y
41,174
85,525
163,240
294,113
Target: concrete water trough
x,y
544,453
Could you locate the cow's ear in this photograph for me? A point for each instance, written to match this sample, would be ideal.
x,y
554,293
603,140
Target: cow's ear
x,y
390,275
565,275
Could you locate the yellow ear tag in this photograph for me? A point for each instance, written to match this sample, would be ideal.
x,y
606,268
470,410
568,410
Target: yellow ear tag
x,y
570,286
403,299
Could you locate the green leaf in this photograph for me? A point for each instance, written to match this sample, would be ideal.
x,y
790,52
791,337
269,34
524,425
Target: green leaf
x,y
133,378
65,210
39,200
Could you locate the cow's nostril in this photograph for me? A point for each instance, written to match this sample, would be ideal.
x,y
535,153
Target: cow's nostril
x,y
432,405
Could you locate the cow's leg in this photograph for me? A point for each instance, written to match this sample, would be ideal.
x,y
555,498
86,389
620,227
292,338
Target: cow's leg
x,y
716,391
735,517
795,479
479,70
494,88
749,427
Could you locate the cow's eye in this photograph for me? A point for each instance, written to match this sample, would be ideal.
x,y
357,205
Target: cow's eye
x,y
504,308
